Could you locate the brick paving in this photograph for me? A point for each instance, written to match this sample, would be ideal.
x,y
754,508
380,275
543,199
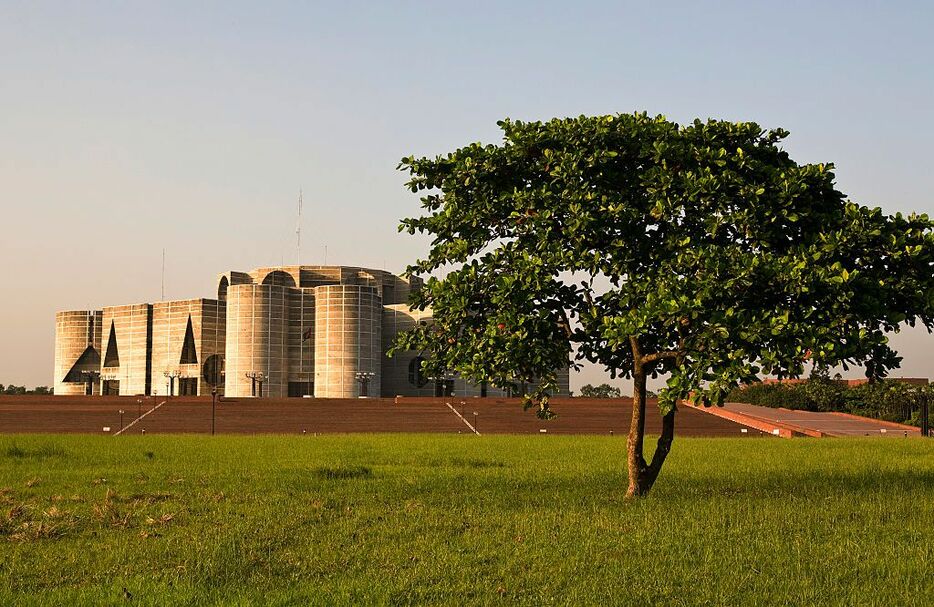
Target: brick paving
x,y
79,414
809,423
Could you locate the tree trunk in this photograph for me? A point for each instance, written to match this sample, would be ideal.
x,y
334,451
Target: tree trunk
x,y
637,435
642,475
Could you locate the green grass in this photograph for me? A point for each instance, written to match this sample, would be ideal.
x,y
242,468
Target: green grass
x,y
400,519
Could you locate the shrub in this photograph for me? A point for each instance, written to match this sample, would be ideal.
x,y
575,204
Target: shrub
x,y
888,400
822,395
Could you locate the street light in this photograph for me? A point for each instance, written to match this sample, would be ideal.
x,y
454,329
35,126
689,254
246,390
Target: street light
x,y
364,378
925,413
121,420
139,408
475,417
171,375
257,378
213,404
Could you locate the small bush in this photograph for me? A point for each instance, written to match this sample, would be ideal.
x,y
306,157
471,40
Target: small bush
x,y
887,400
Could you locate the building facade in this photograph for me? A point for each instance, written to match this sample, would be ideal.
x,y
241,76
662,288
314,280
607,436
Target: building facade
x,y
280,331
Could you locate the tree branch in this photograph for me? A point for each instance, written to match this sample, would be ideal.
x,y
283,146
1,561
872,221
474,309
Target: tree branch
x,y
657,356
636,351
565,323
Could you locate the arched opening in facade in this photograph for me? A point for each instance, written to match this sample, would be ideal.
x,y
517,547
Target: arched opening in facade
x,y
222,289
280,278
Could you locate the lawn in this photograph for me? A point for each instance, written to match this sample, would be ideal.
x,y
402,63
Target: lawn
x,y
400,519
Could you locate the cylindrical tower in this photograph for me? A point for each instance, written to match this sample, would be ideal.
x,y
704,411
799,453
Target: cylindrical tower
x,y
77,352
257,350
348,329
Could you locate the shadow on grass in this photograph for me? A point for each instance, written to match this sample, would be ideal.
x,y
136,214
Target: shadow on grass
x,y
494,487
806,483
458,462
342,472
43,452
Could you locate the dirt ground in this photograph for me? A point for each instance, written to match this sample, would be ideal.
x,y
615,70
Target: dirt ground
x,y
82,414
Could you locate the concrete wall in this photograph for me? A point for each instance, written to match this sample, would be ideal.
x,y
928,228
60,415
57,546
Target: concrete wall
x,y
348,329
75,332
257,340
396,376
132,326
301,350
169,328
398,371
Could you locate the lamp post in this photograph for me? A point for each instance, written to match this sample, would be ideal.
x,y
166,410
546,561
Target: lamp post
x,y
257,378
171,375
925,413
364,378
139,408
475,417
213,405
121,420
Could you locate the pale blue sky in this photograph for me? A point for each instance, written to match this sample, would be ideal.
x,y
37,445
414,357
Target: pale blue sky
x,y
127,127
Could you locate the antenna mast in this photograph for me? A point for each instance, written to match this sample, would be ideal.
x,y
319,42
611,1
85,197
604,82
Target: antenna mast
x,y
298,229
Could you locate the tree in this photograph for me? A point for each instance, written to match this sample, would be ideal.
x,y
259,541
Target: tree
x,y
701,252
601,391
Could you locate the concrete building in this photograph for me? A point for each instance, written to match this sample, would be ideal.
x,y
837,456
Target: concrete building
x,y
318,331
77,352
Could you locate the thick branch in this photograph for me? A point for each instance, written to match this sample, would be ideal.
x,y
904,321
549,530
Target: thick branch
x,y
565,323
657,356
636,350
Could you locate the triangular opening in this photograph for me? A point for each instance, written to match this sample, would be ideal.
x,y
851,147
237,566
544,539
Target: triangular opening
x,y
89,360
189,356
112,357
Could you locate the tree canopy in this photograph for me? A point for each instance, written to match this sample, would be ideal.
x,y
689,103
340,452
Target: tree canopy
x,y
601,391
701,252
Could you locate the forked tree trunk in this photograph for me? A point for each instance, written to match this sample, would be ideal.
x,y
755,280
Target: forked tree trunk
x,y
642,475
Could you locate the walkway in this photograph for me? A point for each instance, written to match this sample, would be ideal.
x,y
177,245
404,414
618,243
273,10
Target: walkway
x,y
788,423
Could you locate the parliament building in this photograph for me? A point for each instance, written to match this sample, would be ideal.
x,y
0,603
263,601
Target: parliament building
x,y
319,331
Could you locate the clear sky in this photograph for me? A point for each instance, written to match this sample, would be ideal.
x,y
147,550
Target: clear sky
x,y
129,127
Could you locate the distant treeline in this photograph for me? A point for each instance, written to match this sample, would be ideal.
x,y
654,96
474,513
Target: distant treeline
x,y
606,391
11,389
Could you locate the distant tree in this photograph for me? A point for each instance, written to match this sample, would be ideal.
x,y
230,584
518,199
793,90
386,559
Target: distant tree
x,y
724,259
17,390
601,391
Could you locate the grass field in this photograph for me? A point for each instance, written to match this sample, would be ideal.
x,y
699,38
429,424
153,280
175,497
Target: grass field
x,y
443,519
